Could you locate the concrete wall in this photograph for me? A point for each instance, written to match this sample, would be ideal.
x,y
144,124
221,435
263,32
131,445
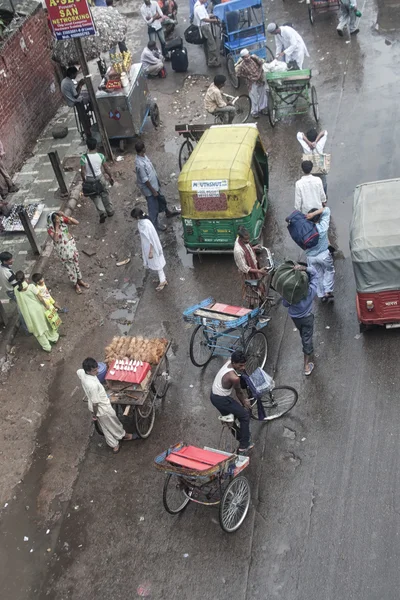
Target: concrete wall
x,y
29,87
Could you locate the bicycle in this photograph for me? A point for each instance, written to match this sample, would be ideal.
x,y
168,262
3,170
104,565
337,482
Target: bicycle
x,y
242,105
257,290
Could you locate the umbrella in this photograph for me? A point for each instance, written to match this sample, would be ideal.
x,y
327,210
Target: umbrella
x,y
111,28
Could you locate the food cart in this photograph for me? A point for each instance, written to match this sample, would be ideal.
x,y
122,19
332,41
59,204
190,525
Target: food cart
x,y
137,376
124,101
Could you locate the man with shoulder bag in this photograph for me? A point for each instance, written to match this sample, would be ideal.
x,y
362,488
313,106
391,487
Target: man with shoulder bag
x,y
94,170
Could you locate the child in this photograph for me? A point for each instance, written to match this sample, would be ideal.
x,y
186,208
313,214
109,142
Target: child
x,y
44,293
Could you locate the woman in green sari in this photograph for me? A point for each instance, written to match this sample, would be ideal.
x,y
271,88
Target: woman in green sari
x,y
33,310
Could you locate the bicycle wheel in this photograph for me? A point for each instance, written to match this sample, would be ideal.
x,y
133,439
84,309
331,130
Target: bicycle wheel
x,y
155,115
276,403
314,102
200,350
174,499
243,109
145,416
256,351
271,110
184,153
228,441
234,504
230,67
161,381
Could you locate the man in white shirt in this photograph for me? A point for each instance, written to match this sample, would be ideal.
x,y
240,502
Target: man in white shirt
x,y
314,143
100,406
151,60
289,44
152,15
203,20
309,192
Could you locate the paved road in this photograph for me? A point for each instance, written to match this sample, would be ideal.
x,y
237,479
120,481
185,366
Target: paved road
x,y
325,515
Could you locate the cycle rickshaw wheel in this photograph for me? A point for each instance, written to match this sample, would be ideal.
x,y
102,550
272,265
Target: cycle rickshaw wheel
x,y
155,115
270,54
276,403
161,381
230,67
234,504
314,102
200,351
271,110
145,416
174,498
184,153
243,109
311,14
256,351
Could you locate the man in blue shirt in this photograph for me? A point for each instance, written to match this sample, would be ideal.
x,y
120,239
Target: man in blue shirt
x,y
303,318
319,256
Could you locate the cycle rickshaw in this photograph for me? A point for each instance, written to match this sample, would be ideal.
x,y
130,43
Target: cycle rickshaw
x,y
291,92
243,26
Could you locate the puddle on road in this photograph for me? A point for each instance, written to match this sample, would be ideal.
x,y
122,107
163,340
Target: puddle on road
x,y
185,258
127,292
172,146
124,318
124,314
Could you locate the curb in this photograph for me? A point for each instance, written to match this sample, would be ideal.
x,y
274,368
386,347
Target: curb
x,y
12,327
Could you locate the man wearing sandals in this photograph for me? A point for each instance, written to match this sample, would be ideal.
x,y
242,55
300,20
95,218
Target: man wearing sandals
x,y
226,380
100,406
319,256
303,318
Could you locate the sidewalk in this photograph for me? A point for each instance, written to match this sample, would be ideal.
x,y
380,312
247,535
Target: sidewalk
x,y
38,183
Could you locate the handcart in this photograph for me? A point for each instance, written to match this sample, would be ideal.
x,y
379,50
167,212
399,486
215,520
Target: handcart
x,y
321,6
291,92
136,402
221,329
124,111
206,476
243,26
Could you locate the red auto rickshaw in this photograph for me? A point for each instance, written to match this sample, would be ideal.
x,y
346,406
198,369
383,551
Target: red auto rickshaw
x,y
375,253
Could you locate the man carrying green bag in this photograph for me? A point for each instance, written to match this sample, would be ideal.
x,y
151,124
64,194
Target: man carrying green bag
x,y
297,284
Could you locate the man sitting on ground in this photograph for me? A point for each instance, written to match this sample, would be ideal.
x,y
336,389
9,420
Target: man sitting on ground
x,y
214,102
152,60
226,380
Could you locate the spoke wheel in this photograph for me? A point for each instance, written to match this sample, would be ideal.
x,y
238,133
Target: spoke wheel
x,y
228,439
276,403
230,67
234,504
311,14
184,153
200,351
243,109
271,110
314,102
155,115
145,416
161,381
174,498
256,351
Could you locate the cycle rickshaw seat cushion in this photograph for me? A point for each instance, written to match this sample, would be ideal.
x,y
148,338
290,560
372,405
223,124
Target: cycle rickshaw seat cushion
x,y
195,458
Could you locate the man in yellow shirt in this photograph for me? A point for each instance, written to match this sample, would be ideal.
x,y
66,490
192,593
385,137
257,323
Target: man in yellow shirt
x,y
214,101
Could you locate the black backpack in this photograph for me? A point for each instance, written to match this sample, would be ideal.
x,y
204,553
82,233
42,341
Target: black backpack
x,y
193,35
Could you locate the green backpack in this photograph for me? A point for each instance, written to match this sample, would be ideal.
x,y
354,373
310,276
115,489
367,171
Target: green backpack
x,y
291,284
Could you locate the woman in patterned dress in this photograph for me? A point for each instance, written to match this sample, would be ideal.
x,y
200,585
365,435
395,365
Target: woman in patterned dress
x,y
64,245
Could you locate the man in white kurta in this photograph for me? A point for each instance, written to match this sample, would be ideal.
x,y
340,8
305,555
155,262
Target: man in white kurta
x,y
152,252
100,406
289,44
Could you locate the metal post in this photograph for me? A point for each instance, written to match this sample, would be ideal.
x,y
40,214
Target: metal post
x,y
92,96
27,225
58,172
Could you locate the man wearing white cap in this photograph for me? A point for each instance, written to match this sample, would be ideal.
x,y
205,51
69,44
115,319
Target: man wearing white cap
x,y
250,68
289,44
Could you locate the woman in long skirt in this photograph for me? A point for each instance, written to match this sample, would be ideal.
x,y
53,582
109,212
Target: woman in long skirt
x,y
33,312
152,252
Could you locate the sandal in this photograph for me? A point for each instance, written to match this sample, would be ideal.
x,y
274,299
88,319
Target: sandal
x,y
117,449
311,369
134,436
84,285
78,289
161,286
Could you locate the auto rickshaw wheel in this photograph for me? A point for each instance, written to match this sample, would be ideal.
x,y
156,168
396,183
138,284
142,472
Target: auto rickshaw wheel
x,y
271,110
230,67
155,115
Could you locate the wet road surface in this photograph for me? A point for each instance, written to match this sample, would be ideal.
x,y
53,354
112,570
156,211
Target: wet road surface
x,y
325,481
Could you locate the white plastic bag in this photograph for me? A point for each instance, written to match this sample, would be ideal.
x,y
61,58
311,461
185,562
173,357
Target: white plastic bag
x,y
275,66
262,381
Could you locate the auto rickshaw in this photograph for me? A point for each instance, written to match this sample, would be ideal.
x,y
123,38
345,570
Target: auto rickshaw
x,y
375,252
224,184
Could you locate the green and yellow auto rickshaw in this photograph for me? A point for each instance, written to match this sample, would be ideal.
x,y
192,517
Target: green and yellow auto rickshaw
x,y
224,184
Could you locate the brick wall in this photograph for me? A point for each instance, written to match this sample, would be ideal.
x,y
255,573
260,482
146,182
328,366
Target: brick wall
x,y
29,87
